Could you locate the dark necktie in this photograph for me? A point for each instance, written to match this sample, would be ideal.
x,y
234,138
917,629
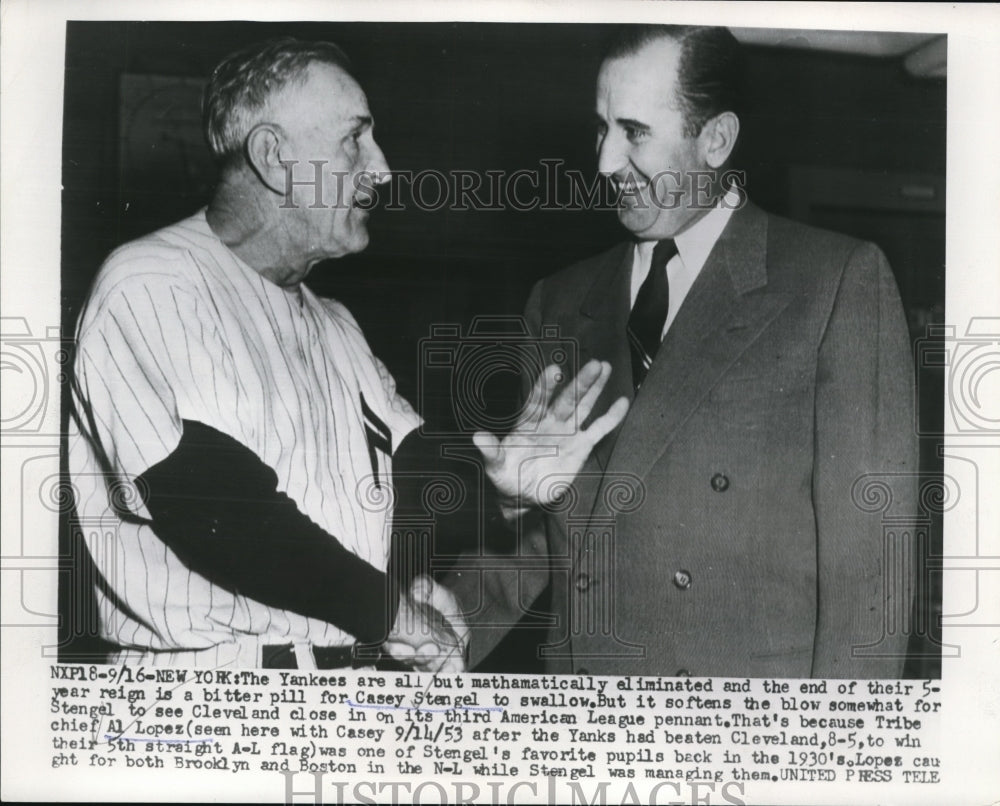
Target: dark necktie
x,y
645,324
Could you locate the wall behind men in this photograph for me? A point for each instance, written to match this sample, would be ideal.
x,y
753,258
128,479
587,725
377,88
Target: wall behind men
x,y
453,97
459,97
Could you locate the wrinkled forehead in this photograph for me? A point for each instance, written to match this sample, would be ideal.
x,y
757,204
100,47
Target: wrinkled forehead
x,y
646,79
325,96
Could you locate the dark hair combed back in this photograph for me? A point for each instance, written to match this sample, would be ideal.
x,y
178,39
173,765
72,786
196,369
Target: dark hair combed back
x,y
242,84
710,73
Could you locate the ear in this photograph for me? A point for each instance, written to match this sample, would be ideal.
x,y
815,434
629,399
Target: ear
x,y
263,153
718,138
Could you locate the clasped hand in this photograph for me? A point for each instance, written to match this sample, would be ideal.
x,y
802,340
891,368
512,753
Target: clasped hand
x,y
430,633
549,442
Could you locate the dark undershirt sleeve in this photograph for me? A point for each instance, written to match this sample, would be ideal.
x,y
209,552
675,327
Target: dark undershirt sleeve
x,y
217,506
419,464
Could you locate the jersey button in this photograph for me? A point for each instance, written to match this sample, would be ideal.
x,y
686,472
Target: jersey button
x,y
682,579
682,673
720,483
583,582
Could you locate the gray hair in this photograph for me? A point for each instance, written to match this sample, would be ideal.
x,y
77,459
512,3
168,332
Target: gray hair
x,y
245,81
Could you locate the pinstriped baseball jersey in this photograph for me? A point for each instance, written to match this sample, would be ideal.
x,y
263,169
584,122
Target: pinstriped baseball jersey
x,y
178,328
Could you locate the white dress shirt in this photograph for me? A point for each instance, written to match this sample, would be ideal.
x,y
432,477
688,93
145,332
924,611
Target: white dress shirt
x,y
693,248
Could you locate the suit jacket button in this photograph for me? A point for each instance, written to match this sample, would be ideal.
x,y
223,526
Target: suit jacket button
x,y
720,483
583,582
682,579
682,673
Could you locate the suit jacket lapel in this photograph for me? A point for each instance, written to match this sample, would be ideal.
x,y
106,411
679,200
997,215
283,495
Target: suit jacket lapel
x,y
725,310
602,335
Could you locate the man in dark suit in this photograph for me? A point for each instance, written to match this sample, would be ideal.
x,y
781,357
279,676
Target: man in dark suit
x,y
723,528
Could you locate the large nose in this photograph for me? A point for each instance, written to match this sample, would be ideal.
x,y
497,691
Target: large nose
x,y
612,154
377,165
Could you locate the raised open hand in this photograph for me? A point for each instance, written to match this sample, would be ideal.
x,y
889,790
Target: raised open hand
x,y
550,440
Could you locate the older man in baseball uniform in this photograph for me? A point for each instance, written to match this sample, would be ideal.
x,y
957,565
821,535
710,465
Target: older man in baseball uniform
x,y
229,424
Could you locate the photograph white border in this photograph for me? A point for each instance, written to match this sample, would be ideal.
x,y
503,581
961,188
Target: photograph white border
x,y
32,51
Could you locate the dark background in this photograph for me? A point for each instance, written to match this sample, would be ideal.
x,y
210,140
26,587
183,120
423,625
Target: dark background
x,y
848,142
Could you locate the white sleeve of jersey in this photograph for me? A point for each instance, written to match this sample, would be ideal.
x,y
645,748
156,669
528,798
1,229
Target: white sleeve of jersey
x,y
149,356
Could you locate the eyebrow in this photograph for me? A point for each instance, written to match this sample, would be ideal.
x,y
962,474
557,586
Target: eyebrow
x,y
630,123
362,120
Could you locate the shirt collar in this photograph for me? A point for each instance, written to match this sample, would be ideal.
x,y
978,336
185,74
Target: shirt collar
x,y
696,242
